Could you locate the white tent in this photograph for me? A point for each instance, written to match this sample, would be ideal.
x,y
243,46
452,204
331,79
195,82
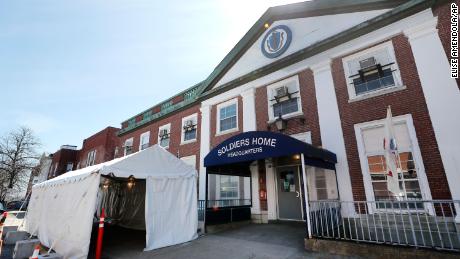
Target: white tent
x,y
61,210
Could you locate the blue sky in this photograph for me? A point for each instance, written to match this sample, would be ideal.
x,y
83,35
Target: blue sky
x,y
70,68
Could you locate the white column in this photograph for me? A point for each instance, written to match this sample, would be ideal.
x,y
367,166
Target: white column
x,y
249,110
330,126
255,209
442,96
271,190
205,141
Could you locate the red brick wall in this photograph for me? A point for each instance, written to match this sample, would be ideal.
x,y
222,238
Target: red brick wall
x,y
443,14
61,158
104,142
308,122
408,101
216,140
175,146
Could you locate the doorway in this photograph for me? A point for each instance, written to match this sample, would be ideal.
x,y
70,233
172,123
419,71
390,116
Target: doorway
x,y
289,193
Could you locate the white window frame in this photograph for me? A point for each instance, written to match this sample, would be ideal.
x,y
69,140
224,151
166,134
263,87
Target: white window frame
x,y
193,117
224,105
388,46
140,140
67,167
91,158
168,127
125,145
291,81
416,153
219,184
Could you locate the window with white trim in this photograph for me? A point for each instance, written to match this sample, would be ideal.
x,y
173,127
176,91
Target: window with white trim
x,y
372,70
91,158
229,187
376,166
189,128
128,147
284,98
164,135
227,116
144,140
69,167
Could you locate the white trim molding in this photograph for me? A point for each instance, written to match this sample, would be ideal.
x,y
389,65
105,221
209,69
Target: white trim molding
x,y
441,95
205,140
387,48
194,118
331,127
230,102
415,149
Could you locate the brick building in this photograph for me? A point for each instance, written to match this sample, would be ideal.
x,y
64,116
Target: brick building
x,y
98,148
341,64
63,160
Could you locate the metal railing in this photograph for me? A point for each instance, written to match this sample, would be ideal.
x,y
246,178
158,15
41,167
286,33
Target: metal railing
x,y
429,224
228,203
201,209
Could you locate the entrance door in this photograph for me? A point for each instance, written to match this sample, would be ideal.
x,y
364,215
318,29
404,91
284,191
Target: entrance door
x,y
289,194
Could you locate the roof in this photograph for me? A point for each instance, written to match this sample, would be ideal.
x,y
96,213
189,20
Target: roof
x,y
204,89
141,165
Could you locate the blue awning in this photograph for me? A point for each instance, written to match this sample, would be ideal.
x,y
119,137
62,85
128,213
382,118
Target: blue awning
x,y
255,145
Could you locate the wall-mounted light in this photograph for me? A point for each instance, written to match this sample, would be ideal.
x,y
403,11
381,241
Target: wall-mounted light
x,y
266,25
106,184
296,157
280,123
131,182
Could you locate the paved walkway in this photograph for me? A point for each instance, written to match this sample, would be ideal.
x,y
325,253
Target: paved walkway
x,y
267,241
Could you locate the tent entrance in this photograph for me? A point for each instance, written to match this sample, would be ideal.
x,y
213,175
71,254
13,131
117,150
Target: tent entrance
x,y
123,200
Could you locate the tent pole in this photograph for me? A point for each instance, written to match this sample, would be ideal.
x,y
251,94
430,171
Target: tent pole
x,y
307,204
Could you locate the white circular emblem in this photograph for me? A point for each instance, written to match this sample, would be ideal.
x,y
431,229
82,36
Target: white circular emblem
x,y
276,41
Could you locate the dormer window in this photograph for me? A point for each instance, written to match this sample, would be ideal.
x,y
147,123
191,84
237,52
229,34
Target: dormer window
x,y
372,71
284,98
164,135
189,128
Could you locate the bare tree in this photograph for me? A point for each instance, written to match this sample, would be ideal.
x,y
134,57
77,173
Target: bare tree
x,y
18,156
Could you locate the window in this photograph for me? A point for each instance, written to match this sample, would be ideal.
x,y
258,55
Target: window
x,y
115,153
69,167
227,116
372,139
321,185
91,158
285,107
164,135
372,71
128,147
144,140
284,98
189,128
229,187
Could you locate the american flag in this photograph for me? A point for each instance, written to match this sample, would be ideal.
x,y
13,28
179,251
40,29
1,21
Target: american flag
x,y
391,155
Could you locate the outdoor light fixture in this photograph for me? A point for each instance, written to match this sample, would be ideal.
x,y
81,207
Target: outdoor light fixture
x,y
106,184
266,25
297,157
131,182
280,123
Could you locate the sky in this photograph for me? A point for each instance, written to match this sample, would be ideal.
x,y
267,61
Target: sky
x,y
68,69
